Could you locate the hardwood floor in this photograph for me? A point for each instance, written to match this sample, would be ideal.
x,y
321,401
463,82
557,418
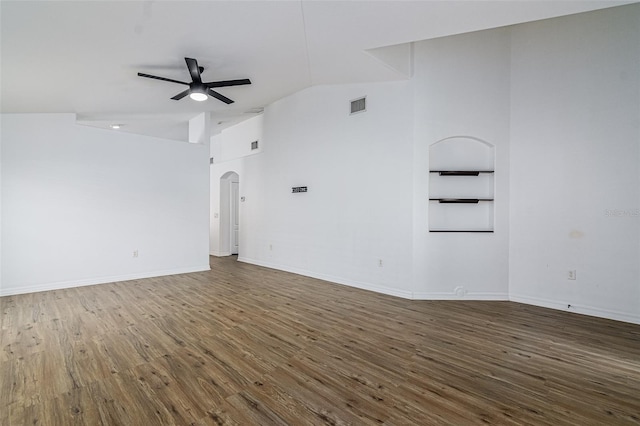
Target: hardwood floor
x,y
252,346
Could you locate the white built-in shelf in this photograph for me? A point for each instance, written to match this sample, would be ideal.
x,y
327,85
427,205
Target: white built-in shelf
x,y
461,185
460,172
461,201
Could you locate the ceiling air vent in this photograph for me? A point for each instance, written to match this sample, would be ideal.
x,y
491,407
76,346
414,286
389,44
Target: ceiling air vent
x,y
358,105
254,145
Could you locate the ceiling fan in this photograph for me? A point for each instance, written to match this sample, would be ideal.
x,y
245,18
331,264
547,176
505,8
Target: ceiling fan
x,y
198,90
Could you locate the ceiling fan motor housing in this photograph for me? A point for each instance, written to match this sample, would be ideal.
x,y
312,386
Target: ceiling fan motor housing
x,y
197,88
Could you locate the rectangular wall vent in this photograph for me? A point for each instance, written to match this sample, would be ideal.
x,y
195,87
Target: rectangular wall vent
x,y
358,105
254,145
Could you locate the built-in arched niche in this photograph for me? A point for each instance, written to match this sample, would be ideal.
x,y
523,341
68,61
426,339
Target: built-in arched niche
x,y
461,185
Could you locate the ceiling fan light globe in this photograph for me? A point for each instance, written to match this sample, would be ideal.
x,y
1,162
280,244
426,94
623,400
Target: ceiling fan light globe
x,y
198,96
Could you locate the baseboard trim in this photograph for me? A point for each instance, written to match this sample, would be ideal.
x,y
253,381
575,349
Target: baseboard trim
x,y
405,294
331,278
578,309
102,280
467,296
220,254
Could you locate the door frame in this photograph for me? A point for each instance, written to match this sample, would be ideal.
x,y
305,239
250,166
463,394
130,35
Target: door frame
x,y
225,219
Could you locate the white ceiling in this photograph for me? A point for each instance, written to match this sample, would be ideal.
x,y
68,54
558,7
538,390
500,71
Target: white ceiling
x,y
83,56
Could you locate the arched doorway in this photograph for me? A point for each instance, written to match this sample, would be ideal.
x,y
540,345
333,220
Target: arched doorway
x,y
229,213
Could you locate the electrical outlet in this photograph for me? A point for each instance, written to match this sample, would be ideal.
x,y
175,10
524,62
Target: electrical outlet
x,y
270,247
571,275
380,263
135,253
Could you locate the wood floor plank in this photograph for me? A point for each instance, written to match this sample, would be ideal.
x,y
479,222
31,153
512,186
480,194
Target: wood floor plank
x,y
299,387
248,345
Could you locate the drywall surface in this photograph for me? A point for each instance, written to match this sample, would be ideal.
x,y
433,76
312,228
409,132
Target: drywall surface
x,y
462,90
228,150
77,202
235,141
575,169
557,102
1,200
353,226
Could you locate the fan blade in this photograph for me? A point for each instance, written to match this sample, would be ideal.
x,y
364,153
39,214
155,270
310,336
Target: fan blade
x,y
180,95
192,64
227,83
161,78
219,96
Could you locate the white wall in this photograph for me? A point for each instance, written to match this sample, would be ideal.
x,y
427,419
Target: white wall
x,y
560,102
228,150
77,201
1,120
462,89
358,172
575,163
235,141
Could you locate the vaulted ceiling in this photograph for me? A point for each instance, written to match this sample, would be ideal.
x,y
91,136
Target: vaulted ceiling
x,y
83,56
